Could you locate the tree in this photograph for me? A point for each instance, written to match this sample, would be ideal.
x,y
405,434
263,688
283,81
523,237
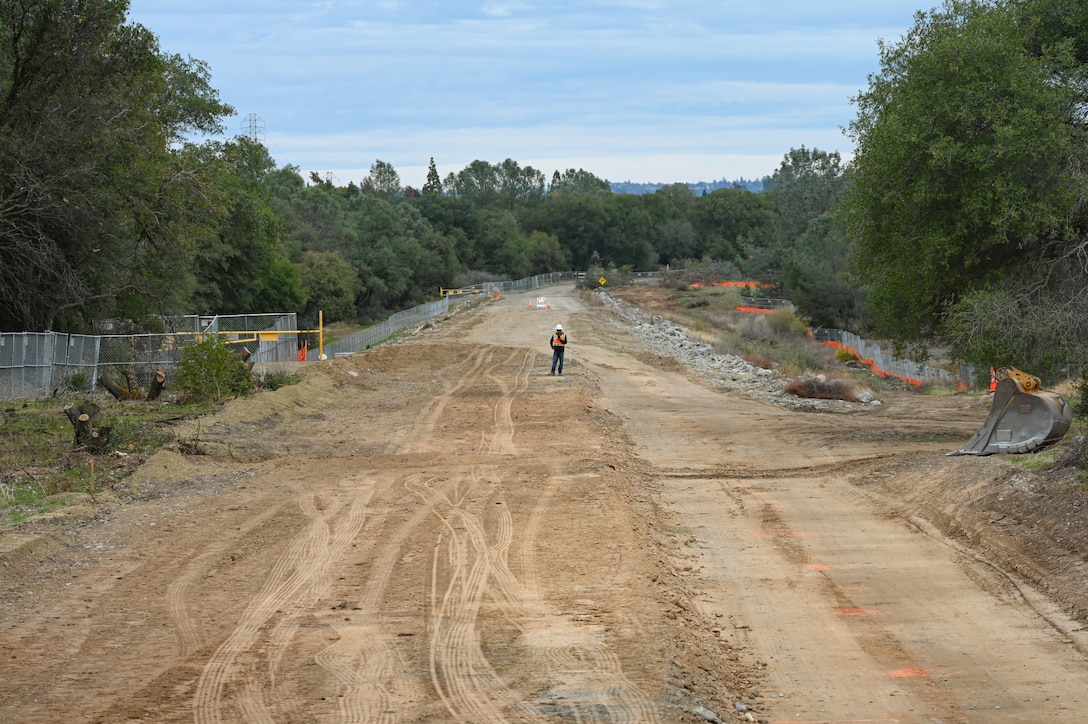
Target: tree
x,y
519,186
580,223
331,285
241,262
94,206
815,276
477,183
383,180
433,184
505,186
727,221
808,184
546,254
578,183
972,163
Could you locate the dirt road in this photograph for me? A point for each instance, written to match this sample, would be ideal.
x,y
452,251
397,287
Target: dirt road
x,y
439,530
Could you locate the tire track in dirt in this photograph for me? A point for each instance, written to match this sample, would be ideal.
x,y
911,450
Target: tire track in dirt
x,y
177,592
579,678
363,660
295,581
416,439
502,438
460,671
478,571
582,672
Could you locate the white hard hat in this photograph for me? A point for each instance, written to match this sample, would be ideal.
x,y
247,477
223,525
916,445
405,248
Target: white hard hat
x,y
559,328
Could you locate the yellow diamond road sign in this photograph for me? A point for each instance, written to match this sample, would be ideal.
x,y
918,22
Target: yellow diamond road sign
x,y
602,281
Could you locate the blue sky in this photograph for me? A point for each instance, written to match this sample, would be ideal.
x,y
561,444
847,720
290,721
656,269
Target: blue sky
x,y
630,90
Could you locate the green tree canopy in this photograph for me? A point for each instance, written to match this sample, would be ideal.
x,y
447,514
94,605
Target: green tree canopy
x,y
383,180
971,169
94,206
433,184
578,182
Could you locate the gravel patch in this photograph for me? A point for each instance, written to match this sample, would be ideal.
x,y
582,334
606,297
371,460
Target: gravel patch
x,y
722,371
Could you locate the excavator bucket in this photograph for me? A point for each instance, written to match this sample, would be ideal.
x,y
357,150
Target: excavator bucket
x,y
1020,421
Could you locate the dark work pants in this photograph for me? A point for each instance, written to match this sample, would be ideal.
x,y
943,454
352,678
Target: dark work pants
x,y
557,358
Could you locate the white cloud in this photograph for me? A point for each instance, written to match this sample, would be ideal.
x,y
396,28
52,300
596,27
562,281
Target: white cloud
x,y
647,90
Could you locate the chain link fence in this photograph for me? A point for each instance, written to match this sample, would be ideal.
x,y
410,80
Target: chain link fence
x,y
870,354
34,364
372,335
418,315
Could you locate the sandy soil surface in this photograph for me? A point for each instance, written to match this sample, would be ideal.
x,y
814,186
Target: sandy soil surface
x,y
440,530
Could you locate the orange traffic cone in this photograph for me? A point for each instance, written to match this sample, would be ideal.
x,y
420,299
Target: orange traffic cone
x,y
993,380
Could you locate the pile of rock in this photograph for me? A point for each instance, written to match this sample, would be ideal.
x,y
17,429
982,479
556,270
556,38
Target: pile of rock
x,y
723,371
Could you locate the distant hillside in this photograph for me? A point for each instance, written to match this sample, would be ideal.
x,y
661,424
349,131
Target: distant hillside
x,y
699,188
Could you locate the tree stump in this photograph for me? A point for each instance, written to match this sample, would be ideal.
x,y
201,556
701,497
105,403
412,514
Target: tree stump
x,y
100,440
83,419
156,385
243,356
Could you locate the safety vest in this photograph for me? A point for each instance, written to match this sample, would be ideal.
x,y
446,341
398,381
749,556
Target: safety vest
x,y
559,339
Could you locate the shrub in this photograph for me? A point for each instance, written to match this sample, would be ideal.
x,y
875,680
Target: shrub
x,y
785,324
1080,408
272,380
78,382
754,327
758,360
821,388
210,371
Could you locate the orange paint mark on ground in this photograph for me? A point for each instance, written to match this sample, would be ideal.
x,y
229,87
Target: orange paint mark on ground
x,y
860,612
909,673
832,721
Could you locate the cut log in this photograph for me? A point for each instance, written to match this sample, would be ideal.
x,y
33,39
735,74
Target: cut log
x,y
156,385
114,389
87,408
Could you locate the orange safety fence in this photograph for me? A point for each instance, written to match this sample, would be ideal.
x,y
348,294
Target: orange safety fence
x,y
748,285
872,365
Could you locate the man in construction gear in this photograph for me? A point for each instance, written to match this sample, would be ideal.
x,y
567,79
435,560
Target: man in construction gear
x,y
559,346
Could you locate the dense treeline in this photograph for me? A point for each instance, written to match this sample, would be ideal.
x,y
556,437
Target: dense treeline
x,y
376,246
962,218
107,211
970,192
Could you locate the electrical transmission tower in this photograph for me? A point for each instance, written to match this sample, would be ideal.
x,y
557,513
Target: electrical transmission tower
x,y
253,127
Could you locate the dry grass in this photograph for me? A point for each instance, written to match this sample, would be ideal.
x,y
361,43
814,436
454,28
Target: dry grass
x,y
758,360
821,388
